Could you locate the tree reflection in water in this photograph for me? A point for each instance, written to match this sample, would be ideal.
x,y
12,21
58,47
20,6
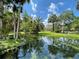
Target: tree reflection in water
x,y
40,47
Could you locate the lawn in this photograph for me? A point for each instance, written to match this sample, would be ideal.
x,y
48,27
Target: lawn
x,y
53,34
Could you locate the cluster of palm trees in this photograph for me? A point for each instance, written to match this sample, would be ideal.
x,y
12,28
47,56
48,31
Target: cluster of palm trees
x,y
12,23
17,9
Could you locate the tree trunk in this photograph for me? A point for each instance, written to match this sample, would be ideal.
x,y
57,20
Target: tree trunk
x,y
1,16
17,33
62,31
1,8
53,26
14,26
1,11
18,24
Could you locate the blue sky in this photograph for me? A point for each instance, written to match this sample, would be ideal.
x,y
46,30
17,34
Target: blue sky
x,y
43,8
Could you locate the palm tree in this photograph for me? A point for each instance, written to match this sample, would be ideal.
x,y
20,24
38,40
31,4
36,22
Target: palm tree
x,y
15,11
16,29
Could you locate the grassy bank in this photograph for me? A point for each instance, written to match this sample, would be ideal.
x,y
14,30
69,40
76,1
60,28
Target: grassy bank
x,y
6,45
52,34
9,43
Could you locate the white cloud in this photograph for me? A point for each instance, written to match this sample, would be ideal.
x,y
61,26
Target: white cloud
x,y
34,6
68,8
33,16
61,3
48,16
46,20
52,8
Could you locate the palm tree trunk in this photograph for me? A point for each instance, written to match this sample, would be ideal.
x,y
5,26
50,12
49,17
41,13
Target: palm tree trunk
x,y
1,11
1,8
17,33
1,16
14,26
18,24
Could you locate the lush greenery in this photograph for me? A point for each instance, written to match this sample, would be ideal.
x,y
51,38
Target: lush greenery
x,y
5,44
12,24
53,34
9,45
14,27
31,26
65,22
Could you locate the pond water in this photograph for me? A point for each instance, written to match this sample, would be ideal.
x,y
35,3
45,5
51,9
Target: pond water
x,y
42,47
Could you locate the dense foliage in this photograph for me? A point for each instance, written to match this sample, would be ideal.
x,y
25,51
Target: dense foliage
x,y
66,22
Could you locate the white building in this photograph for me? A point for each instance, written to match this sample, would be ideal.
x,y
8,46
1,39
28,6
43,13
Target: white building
x,y
49,26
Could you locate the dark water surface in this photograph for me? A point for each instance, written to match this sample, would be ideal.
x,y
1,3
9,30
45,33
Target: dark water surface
x,y
41,47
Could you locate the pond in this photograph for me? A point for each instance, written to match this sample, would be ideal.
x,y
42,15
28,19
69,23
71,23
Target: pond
x,y
42,47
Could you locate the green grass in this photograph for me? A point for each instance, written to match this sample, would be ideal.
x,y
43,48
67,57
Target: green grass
x,y
12,33
6,44
57,35
53,34
9,45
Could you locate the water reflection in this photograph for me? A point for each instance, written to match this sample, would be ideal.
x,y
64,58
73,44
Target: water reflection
x,y
59,56
40,47
76,56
